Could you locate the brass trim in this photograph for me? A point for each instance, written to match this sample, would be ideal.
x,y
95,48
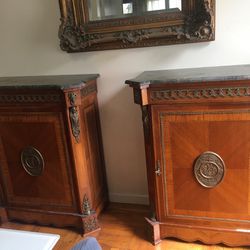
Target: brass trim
x,y
86,205
206,218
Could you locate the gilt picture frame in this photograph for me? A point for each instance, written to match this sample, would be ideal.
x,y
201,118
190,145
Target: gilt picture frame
x,y
77,33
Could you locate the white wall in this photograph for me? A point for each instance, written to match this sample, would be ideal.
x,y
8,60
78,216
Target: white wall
x,y
29,46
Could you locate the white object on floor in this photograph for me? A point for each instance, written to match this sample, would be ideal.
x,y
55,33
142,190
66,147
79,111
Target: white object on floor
x,y
18,240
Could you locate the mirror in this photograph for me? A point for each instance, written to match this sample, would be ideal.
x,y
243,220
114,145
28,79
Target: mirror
x,y
109,9
88,25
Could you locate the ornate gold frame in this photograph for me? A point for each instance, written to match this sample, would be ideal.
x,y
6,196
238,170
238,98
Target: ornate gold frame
x,y
195,23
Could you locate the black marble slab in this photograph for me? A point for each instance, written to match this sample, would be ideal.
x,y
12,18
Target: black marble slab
x,y
189,75
51,82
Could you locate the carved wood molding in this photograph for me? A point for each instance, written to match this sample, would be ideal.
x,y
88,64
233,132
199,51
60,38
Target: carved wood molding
x,y
194,24
8,98
88,90
203,93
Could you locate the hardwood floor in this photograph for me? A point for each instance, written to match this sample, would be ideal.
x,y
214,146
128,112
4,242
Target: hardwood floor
x,y
122,229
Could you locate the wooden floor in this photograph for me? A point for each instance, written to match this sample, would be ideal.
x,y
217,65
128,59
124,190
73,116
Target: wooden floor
x,y
122,229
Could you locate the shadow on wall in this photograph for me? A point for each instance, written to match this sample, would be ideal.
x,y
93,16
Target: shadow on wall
x,y
123,143
29,37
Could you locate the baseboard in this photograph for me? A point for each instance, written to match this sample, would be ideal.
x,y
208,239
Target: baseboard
x,y
129,198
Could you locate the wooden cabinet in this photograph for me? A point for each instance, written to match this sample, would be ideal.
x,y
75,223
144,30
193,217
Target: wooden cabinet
x,y
197,140
51,158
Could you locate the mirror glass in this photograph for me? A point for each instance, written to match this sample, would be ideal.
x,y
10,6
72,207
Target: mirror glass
x,y
109,9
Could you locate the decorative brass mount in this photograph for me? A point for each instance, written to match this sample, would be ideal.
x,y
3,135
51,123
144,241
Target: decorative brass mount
x,y
32,161
74,116
209,169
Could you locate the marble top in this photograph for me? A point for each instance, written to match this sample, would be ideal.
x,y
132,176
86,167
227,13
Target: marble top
x,y
191,75
56,81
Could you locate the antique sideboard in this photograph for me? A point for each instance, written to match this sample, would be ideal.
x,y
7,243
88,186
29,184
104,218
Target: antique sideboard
x,y
197,141
51,157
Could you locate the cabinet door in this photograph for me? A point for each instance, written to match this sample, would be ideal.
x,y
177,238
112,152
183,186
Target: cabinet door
x,y
201,188
34,161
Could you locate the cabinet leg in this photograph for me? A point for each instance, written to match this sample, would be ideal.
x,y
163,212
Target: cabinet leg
x,y
153,231
3,215
90,224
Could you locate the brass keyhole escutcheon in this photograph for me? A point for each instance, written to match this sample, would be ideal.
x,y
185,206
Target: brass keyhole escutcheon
x,y
32,161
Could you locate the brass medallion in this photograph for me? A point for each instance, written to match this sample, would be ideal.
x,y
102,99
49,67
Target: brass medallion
x,y
32,161
209,169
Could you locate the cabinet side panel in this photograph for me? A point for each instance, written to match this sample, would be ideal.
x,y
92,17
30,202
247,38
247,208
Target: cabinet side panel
x,y
94,158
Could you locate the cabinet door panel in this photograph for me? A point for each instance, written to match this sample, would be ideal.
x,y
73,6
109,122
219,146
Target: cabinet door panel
x,y
44,132
184,136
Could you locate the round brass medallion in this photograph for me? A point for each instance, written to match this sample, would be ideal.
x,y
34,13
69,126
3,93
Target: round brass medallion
x,y
32,161
209,169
